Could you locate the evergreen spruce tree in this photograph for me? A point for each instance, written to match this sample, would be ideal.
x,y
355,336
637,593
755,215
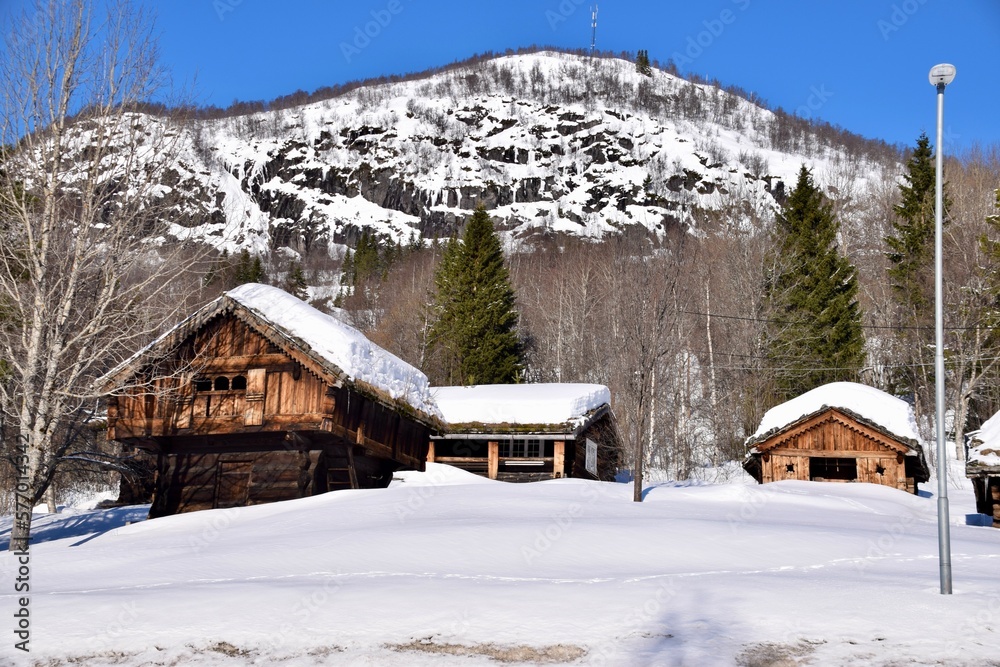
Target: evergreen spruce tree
x,y
367,259
816,334
476,320
295,281
911,273
249,269
642,65
911,247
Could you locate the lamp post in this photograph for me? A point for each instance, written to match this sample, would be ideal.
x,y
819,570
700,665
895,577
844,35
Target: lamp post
x,y
940,76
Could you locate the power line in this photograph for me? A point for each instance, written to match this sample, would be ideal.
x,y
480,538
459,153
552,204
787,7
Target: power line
x,y
863,326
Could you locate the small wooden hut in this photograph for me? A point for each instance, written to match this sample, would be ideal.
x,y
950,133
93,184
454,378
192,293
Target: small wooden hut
x,y
528,432
259,397
983,467
839,432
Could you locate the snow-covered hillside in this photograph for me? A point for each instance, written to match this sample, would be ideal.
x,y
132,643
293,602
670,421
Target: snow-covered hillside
x,y
547,141
445,568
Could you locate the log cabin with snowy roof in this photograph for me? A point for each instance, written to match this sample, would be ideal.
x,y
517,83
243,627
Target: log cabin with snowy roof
x,y
983,467
839,432
259,397
528,432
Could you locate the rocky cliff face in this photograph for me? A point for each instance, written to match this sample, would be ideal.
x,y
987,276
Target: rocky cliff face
x,y
549,143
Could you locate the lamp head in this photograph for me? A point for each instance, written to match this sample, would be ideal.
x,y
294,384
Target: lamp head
x,y
942,75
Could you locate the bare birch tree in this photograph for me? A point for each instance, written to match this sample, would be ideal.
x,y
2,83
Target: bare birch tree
x,y
80,195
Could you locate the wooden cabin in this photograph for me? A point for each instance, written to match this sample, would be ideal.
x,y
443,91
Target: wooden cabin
x,y
528,432
839,432
258,397
983,467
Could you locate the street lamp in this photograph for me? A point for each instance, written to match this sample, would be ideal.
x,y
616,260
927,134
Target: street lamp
x,y
940,76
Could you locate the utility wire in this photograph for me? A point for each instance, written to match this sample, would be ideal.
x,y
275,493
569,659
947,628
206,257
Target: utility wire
x,y
863,326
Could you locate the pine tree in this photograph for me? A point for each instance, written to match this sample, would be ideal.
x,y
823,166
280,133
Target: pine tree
x,y
249,269
295,281
642,65
911,247
476,319
911,272
816,335
367,259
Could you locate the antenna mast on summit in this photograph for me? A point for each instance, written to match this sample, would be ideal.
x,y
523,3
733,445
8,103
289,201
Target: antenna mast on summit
x,y
593,31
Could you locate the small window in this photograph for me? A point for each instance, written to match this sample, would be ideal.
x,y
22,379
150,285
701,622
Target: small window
x,y
222,383
203,384
531,449
790,467
240,383
879,470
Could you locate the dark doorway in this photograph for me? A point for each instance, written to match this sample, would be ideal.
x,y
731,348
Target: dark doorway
x,y
233,484
830,469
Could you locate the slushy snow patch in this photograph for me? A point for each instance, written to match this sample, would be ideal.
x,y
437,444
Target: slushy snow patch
x,y
555,403
892,414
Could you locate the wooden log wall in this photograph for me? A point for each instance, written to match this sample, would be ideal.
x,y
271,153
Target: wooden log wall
x,y
190,482
832,439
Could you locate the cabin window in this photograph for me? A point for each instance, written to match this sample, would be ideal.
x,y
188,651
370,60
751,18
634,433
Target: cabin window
x,y
521,448
221,383
790,467
879,470
823,468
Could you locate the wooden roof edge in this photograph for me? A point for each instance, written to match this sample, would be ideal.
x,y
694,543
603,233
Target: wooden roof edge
x,y
571,428
162,345
752,442
976,469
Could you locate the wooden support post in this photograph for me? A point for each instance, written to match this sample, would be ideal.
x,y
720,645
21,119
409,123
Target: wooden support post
x,y
559,459
430,452
494,460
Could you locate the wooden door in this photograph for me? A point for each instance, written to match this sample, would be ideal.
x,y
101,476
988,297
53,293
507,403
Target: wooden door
x,y
232,487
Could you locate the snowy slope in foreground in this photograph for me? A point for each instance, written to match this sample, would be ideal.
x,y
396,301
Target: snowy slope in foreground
x,y
835,574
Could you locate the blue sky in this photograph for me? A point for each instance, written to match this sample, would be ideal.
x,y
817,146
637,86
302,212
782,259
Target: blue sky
x,y
860,64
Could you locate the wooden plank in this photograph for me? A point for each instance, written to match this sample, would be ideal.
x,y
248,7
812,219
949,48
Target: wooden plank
x,y
240,363
846,454
835,416
559,458
494,459
253,414
430,452
375,448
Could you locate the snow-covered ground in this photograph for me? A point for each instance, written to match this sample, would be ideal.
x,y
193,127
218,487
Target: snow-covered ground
x,y
444,568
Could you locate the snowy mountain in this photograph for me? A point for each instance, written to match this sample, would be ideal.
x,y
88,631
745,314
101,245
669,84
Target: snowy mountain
x,y
550,142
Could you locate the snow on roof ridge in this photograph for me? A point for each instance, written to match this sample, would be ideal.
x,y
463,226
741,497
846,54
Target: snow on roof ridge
x,y
339,343
547,403
987,452
892,414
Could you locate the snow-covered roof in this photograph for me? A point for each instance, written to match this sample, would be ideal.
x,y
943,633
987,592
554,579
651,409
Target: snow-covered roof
x,y
339,347
338,343
985,449
891,414
556,403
